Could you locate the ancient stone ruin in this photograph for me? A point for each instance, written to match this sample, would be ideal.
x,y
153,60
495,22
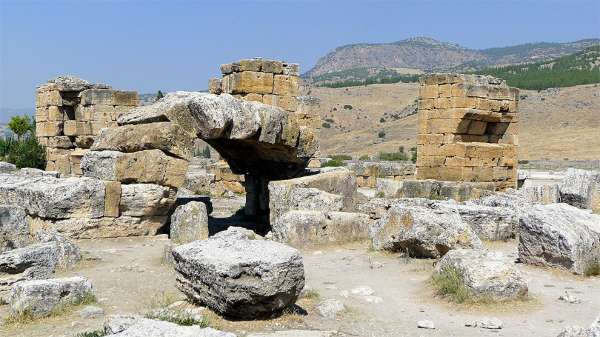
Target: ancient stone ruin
x,y
467,127
70,113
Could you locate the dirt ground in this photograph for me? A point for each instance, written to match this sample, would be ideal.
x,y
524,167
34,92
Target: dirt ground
x,y
129,277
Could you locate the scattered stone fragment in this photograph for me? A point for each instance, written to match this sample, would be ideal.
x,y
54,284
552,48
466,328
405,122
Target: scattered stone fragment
x,y
91,311
239,277
362,291
330,308
485,323
40,298
237,233
574,331
484,274
425,324
569,298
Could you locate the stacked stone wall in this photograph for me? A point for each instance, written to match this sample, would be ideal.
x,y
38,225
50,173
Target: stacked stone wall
x,y
468,129
270,82
70,113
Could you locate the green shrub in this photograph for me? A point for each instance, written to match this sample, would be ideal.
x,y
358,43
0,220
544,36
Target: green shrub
x,y
326,125
365,157
449,284
95,333
20,125
381,134
329,120
333,163
413,156
24,153
341,157
393,156
347,107
381,120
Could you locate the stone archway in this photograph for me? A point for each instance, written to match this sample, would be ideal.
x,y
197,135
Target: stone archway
x,y
153,143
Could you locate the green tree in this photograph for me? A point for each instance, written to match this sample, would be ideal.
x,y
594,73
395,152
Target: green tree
x,y
159,95
20,125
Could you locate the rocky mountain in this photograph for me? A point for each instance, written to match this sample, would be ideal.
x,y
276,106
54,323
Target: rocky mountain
x,y
428,54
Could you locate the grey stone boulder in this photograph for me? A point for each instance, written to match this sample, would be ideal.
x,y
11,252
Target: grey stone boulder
x,y
238,277
422,229
54,198
189,223
7,167
35,261
302,228
68,253
484,274
330,308
559,235
14,228
581,188
133,326
39,298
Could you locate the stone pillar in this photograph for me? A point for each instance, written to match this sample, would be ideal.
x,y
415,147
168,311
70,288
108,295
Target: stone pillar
x,y
70,112
467,129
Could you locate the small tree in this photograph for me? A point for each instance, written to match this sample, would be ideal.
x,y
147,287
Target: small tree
x,y
159,95
20,125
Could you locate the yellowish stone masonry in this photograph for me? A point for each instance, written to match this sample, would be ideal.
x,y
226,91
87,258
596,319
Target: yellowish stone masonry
x,y
467,129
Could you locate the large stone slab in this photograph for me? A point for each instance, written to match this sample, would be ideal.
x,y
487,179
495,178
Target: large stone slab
x,y
148,166
559,235
189,223
239,277
14,228
484,274
422,229
107,227
133,326
40,298
490,223
302,228
146,199
53,198
165,136
433,189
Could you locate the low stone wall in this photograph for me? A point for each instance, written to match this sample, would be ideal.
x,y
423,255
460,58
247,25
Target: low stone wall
x,y
70,113
433,189
367,172
212,178
559,165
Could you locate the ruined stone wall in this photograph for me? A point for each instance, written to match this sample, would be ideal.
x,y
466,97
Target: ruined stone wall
x,y
70,113
270,82
368,172
467,129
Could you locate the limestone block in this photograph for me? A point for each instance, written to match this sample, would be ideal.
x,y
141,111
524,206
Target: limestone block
x,y
226,68
428,91
214,86
453,125
164,136
426,104
250,65
49,97
285,85
112,198
49,129
61,142
124,98
148,166
251,82
76,128
41,114
254,97
56,114
445,90
96,96
189,223
108,227
477,128
270,66
146,199
291,69
84,142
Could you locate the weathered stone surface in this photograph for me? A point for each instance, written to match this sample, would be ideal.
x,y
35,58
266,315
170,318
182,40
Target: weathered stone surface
x,y
240,278
146,199
433,189
490,223
330,308
35,261
67,252
164,136
82,228
14,228
485,274
580,188
54,198
7,167
148,166
559,235
329,191
189,223
544,194
251,136
301,228
574,331
40,298
134,326
297,333
237,233
425,231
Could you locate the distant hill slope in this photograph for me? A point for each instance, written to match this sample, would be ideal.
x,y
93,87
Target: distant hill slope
x,y
579,68
427,54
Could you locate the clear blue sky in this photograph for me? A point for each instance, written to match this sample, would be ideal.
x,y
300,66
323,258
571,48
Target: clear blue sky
x,y
178,45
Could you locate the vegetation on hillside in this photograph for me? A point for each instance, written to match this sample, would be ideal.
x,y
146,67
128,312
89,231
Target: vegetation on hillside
x,y
362,76
24,149
579,68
